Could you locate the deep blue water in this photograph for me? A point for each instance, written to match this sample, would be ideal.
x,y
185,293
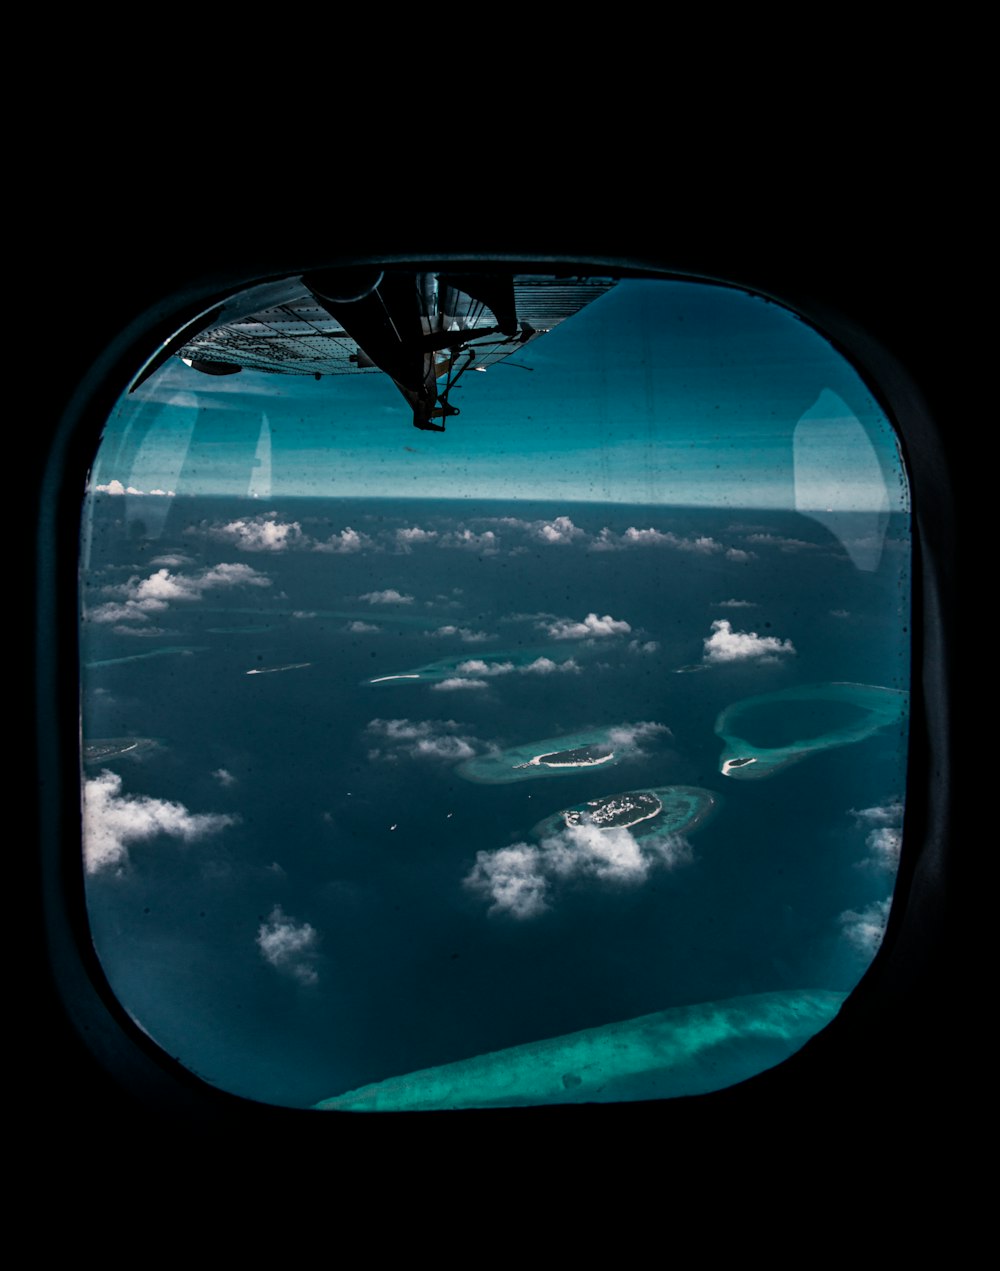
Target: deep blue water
x,y
367,838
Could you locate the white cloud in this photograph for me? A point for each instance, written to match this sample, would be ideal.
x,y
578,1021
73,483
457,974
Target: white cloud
x,y
289,946
457,682
113,821
609,541
546,666
520,879
559,532
883,814
643,646
465,634
347,540
362,628
514,878
115,487
266,533
224,777
884,839
865,928
632,738
540,666
156,593
388,597
487,543
476,666
726,645
258,534
591,627
405,538
435,739
738,555
737,604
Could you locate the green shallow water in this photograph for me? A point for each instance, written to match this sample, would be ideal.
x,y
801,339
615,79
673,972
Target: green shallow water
x,y
880,708
681,1051
514,763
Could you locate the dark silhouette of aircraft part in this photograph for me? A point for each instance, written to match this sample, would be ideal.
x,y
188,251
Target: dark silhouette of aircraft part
x,y
423,330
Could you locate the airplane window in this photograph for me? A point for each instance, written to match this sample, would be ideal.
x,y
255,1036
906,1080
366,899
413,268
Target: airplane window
x,y
494,689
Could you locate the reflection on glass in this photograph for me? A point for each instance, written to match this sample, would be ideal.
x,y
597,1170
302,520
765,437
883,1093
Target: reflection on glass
x,y
555,758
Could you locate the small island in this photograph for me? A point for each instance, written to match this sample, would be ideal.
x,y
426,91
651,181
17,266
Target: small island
x,y
113,747
616,811
272,670
578,757
730,764
550,757
648,814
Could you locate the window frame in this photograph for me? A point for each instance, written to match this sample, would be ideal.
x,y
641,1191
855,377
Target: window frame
x,y
130,1073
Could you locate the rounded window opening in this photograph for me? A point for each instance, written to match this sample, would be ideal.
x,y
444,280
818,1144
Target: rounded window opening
x,y
494,689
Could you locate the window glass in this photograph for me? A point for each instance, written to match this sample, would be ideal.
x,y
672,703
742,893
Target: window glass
x,y
549,751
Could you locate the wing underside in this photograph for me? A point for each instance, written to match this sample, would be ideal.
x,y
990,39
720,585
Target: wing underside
x,y
424,330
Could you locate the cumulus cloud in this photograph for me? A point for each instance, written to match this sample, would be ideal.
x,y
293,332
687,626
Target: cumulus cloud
x,y
406,537
362,628
486,544
433,739
465,634
559,532
591,627
864,928
540,666
115,487
113,821
289,946
514,878
609,541
726,645
266,533
644,646
737,604
145,596
388,597
258,534
634,738
347,540
884,838
547,666
520,880
224,777
457,682
738,555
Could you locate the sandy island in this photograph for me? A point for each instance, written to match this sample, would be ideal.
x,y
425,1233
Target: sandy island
x,y
554,761
270,670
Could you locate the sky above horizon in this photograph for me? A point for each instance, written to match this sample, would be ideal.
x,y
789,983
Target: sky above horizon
x,y
672,393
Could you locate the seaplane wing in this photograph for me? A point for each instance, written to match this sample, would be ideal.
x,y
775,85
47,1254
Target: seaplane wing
x,y
423,330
